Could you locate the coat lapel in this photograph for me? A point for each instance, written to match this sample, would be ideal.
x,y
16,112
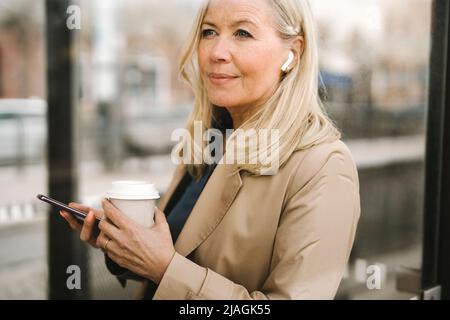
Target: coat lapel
x,y
178,175
212,205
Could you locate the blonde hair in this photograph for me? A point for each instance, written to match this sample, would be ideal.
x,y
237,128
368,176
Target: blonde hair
x,y
295,109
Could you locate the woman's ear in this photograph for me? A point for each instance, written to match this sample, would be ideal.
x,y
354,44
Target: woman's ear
x,y
298,46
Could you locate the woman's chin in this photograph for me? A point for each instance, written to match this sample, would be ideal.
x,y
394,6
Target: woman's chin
x,y
223,103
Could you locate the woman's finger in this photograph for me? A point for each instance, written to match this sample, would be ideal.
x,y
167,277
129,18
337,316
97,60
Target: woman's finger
x,y
110,230
73,223
101,240
98,213
80,206
160,217
88,226
115,215
107,245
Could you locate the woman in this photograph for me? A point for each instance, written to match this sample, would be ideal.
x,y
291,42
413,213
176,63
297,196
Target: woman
x,y
229,231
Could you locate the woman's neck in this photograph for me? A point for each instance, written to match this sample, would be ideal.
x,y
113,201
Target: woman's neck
x,y
241,114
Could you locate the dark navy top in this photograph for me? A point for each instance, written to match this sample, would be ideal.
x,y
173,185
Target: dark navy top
x,y
180,212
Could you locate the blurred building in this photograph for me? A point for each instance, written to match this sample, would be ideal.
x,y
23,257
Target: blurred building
x,y
22,50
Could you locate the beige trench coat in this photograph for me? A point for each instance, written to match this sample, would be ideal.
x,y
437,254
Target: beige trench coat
x,y
286,236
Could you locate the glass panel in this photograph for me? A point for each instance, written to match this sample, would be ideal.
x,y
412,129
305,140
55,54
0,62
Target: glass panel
x,y
23,174
374,64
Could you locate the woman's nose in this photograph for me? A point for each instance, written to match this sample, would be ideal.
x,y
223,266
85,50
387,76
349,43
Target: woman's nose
x,y
220,52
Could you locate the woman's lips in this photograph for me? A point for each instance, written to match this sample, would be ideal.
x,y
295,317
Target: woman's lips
x,y
220,79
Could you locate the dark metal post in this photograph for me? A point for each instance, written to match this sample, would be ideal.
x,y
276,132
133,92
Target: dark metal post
x,y
436,249
64,247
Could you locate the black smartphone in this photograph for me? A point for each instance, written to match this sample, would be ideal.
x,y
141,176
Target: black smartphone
x,y
78,214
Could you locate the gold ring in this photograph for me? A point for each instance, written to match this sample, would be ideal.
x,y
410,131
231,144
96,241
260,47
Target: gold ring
x,y
106,244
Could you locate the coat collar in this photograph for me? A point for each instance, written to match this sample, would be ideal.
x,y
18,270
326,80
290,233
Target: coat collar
x,y
210,208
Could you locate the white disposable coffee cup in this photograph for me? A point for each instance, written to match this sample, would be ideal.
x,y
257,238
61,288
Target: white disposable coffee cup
x,y
136,199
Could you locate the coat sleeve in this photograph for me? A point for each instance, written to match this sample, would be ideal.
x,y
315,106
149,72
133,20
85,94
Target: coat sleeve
x,y
312,244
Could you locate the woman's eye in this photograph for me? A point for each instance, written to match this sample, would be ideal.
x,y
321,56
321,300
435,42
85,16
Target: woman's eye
x,y
240,33
207,33
243,33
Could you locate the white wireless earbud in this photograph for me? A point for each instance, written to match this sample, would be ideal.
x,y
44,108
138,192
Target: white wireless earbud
x,y
288,62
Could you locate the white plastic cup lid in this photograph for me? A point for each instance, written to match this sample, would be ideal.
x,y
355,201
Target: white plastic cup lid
x,y
132,190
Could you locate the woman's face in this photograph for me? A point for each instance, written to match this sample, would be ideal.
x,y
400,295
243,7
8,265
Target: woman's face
x,y
240,53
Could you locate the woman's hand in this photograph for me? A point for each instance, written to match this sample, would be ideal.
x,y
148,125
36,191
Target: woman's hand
x,y
87,229
145,251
